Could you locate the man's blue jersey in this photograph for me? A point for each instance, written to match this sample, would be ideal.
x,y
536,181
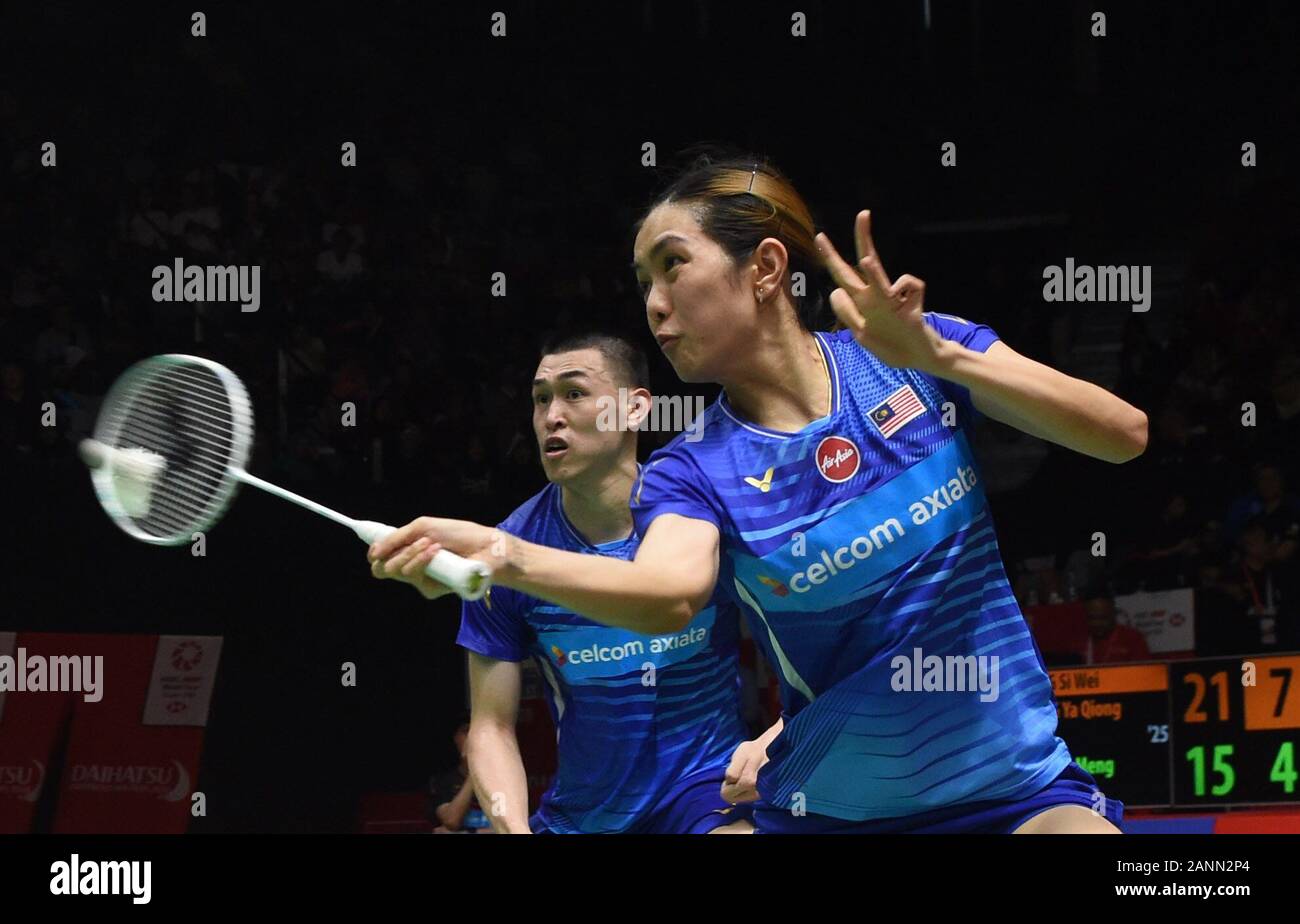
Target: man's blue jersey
x,y
862,550
634,714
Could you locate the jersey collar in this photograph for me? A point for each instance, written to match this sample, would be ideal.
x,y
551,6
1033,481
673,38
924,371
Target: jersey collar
x,y
833,371
557,505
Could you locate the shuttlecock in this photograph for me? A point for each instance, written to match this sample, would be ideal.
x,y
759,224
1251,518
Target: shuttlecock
x,y
134,472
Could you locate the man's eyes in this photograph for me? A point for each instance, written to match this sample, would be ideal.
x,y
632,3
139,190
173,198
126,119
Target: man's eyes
x,y
573,394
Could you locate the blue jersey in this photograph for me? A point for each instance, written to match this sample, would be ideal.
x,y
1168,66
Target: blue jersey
x,y
634,714
862,550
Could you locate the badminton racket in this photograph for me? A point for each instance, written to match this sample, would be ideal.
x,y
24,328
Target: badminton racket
x,y
170,450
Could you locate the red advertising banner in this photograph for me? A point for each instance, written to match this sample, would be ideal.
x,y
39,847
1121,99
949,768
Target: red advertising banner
x,y
132,760
1058,628
31,724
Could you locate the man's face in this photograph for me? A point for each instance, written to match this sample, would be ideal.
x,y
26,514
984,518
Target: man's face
x,y
569,392
699,313
1101,616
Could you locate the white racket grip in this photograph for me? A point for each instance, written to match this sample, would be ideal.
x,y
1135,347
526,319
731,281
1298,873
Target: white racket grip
x,y
469,578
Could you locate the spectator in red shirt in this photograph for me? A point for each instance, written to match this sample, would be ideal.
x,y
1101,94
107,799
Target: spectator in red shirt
x,y
1108,641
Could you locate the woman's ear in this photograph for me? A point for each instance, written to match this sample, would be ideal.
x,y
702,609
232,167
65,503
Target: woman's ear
x,y
770,264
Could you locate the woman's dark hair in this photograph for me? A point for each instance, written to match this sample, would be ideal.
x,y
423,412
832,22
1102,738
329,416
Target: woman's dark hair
x,y
740,199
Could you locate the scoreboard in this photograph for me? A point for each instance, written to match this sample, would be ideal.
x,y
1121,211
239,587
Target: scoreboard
x,y
1189,734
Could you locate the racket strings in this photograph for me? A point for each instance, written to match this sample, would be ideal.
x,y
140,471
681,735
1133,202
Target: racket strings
x,y
183,413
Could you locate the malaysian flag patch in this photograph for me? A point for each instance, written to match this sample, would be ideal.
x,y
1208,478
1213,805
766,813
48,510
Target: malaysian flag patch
x,y
892,414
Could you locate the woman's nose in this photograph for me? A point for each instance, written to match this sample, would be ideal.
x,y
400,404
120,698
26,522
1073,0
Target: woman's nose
x,y
656,307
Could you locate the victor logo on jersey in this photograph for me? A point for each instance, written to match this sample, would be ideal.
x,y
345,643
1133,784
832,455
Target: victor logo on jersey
x,y
764,484
837,459
892,414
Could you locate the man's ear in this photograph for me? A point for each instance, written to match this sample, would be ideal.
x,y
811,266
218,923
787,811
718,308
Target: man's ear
x,y
639,401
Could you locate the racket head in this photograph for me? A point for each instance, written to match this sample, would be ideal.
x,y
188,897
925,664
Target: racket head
x,y
193,413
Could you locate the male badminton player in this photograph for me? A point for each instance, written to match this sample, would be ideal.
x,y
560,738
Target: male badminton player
x,y
834,495
646,723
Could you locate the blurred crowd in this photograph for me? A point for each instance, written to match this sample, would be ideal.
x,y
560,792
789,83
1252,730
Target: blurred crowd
x,y
379,353
1212,504
377,295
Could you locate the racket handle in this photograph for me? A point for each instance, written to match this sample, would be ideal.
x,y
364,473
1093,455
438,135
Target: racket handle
x,y
469,578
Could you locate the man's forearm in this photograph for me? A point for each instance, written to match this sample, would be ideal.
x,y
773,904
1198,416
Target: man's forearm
x,y
497,770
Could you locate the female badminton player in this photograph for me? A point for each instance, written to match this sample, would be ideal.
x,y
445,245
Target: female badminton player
x,y
834,494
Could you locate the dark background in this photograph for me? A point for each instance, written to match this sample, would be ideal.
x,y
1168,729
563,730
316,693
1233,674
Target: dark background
x,y
523,155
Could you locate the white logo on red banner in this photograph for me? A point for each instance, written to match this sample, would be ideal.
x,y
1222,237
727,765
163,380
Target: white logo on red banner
x,y
837,459
180,685
168,783
1166,618
23,782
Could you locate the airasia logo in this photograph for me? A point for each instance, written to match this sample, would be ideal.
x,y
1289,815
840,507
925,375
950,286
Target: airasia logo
x,y
837,459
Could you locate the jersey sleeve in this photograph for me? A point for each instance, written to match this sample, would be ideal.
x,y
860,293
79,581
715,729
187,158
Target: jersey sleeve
x,y
670,483
494,626
973,336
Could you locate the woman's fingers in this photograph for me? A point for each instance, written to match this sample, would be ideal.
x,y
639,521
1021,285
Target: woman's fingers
x,y
732,774
394,564
868,280
844,275
740,781
417,562
869,264
907,287
849,314
399,538
735,793
873,271
432,589
862,235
